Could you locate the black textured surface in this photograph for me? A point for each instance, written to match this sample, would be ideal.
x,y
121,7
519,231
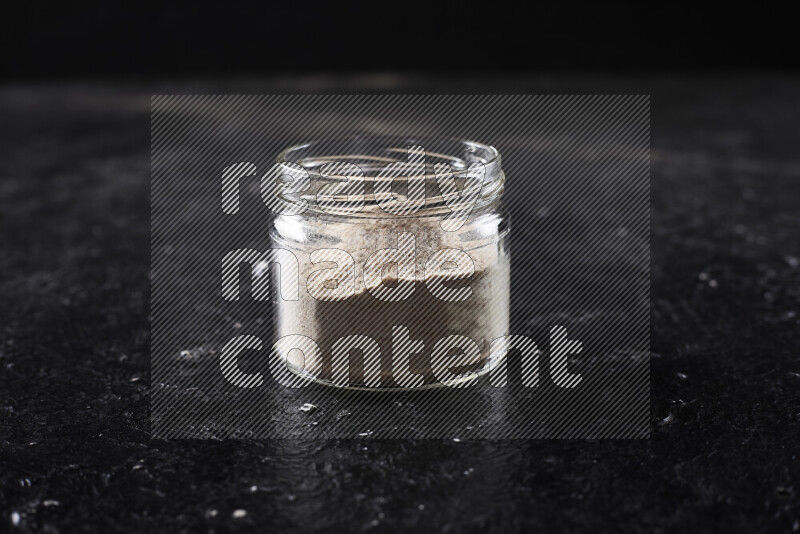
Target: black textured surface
x,y
74,447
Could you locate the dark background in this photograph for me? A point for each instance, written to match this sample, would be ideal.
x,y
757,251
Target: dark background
x,y
75,451
45,40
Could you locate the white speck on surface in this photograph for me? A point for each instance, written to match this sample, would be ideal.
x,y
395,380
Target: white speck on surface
x,y
291,497
712,283
212,513
15,518
239,514
237,325
365,434
682,376
420,507
50,502
457,440
703,276
307,407
469,471
191,354
792,261
253,489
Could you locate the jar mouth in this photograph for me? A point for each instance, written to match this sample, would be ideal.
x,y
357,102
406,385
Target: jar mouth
x,y
419,163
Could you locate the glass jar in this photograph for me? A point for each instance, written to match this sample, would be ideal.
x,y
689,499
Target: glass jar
x,y
402,258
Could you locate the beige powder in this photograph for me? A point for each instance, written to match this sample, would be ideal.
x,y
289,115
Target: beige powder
x,y
483,317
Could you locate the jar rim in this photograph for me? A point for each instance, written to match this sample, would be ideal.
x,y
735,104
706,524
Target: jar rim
x,y
375,142
377,159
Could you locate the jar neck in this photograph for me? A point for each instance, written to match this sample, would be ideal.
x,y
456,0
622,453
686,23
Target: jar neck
x,y
392,177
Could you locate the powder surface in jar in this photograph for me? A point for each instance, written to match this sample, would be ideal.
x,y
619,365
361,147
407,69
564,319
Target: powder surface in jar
x,y
483,317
